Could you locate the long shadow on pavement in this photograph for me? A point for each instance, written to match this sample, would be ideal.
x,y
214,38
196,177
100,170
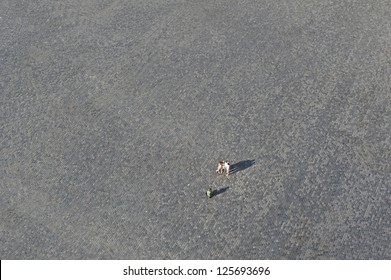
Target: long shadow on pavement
x,y
219,191
241,165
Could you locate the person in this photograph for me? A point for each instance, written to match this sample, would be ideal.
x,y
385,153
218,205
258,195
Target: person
x,y
209,193
226,167
220,167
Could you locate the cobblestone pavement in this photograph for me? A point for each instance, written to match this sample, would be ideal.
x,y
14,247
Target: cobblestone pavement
x,y
115,113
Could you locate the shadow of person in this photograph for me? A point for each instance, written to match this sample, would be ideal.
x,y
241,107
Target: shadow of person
x,y
241,165
219,191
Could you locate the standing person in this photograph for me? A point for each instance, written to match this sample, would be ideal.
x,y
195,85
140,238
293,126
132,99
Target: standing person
x,y
209,193
220,167
226,167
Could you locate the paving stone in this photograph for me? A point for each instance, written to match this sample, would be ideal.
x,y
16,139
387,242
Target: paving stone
x,y
114,114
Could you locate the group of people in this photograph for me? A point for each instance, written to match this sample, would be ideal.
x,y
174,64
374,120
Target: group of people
x,y
223,166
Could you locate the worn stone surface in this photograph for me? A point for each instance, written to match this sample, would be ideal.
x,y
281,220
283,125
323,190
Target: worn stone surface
x,y
114,114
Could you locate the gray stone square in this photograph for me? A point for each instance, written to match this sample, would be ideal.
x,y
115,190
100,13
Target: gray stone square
x,y
114,114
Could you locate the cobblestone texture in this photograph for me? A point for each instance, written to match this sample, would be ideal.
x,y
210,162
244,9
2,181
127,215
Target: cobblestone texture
x,y
114,114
